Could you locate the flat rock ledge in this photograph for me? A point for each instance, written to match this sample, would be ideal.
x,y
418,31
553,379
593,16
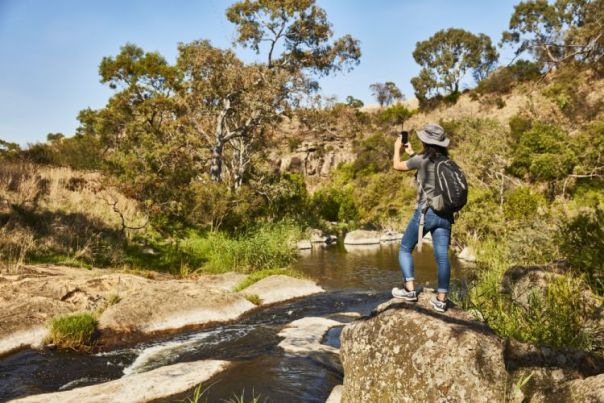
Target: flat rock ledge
x,y
281,288
144,306
408,352
303,336
159,383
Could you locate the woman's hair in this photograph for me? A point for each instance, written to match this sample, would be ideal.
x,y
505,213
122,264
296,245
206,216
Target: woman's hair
x,y
431,151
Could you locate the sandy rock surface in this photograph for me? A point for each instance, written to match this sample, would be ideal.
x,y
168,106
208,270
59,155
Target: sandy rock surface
x,y
156,384
172,305
408,352
280,288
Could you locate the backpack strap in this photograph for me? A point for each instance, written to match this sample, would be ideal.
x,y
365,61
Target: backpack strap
x,y
420,231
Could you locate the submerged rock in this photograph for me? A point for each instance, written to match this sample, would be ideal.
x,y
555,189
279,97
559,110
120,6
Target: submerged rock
x,y
304,336
408,352
159,383
362,237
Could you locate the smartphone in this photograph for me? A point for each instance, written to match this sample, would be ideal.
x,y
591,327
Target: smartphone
x,y
404,136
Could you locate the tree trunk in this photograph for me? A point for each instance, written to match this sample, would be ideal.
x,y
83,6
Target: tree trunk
x,y
216,167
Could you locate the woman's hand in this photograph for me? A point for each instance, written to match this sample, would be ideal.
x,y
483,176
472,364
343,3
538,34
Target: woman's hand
x,y
408,148
398,144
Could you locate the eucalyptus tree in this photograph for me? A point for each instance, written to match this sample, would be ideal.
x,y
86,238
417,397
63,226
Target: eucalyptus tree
x,y
446,58
297,34
230,104
386,93
559,31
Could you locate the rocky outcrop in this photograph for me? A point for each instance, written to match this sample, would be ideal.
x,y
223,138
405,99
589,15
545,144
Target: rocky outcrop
x,y
521,283
315,159
159,383
548,374
131,306
408,352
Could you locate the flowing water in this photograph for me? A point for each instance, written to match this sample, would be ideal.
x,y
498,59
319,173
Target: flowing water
x,y
356,280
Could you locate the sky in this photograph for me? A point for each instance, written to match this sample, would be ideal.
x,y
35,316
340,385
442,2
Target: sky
x,y
50,50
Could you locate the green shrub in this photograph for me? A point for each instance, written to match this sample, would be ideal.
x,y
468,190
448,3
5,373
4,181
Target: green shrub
x,y
522,203
75,331
556,317
502,80
519,125
374,154
333,204
396,114
581,242
267,246
480,219
543,153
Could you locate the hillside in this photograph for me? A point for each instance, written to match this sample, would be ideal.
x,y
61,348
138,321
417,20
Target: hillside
x,y
317,150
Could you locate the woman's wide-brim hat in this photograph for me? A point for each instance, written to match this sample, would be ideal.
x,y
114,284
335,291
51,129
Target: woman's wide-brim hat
x,y
433,134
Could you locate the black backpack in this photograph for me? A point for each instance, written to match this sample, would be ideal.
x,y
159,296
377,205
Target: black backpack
x,y
450,187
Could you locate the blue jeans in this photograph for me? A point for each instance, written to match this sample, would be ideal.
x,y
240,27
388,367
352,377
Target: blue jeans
x,y
440,228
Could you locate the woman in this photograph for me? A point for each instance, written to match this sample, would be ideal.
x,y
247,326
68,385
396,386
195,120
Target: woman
x,y
435,145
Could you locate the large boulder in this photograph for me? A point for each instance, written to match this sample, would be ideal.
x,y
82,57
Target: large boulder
x,y
362,237
408,352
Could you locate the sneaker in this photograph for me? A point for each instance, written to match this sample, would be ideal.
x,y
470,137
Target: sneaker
x,y
402,293
438,305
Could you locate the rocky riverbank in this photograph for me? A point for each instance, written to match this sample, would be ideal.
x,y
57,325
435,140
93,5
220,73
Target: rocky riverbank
x,y
128,306
408,352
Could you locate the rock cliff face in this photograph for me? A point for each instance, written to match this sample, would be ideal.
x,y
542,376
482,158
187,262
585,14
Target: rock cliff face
x,y
314,159
408,352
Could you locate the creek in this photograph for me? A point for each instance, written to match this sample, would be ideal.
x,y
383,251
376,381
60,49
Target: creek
x,y
356,280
